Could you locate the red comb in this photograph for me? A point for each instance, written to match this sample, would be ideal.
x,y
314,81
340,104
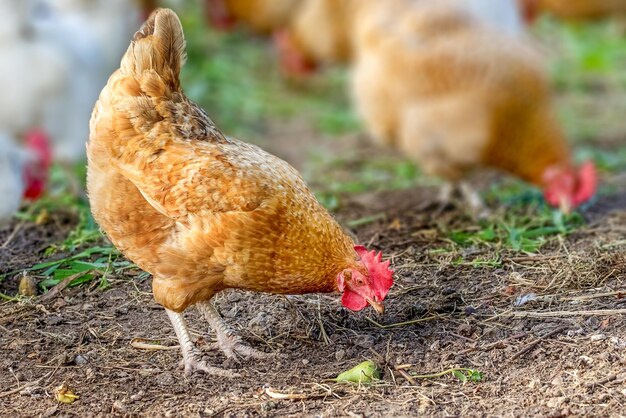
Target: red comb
x,y
587,183
293,61
380,273
218,14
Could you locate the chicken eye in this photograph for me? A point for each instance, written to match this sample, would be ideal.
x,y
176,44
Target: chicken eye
x,y
359,281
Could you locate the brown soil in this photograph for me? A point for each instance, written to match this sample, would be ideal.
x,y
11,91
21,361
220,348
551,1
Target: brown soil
x,y
562,353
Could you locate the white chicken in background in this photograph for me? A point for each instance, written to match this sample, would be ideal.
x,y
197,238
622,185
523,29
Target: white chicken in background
x,y
25,154
25,86
91,37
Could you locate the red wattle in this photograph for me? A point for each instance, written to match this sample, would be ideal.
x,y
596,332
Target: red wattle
x,y
353,301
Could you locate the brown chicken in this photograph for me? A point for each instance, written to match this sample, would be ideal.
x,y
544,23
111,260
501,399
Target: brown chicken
x,y
203,212
455,94
319,32
322,31
260,16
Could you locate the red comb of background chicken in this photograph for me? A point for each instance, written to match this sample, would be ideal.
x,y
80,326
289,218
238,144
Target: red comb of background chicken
x,y
380,273
292,61
217,13
568,188
587,183
36,169
529,10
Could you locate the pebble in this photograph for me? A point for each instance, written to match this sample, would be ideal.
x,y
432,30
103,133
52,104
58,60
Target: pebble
x,y
165,379
79,359
340,355
28,286
119,406
598,337
137,396
305,361
53,320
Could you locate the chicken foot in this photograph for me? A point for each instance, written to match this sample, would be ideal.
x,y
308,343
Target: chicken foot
x,y
231,344
192,358
469,198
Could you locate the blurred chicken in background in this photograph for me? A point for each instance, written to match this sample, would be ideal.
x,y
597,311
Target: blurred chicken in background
x,y
90,36
260,16
26,91
456,91
55,57
321,31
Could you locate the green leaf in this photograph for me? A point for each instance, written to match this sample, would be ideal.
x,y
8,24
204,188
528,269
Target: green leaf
x,y
365,372
459,375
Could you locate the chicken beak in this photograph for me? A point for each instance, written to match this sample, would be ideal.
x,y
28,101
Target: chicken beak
x,y
565,205
378,307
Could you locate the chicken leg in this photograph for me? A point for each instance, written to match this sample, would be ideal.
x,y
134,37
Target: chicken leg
x,y
469,198
192,358
230,343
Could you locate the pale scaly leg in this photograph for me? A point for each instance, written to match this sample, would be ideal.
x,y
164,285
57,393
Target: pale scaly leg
x,y
474,201
192,358
231,344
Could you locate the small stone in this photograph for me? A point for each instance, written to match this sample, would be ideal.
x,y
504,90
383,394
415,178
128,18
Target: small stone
x,y
555,402
470,310
165,379
586,360
305,361
28,286
87,307
137,396
598,337
340,355
79,359
119,406
53,320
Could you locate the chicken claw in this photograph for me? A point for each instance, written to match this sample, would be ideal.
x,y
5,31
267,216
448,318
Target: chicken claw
x,y
192,358
230,343
193,363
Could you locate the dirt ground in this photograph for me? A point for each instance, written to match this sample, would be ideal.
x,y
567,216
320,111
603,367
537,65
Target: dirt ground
x,y
547,331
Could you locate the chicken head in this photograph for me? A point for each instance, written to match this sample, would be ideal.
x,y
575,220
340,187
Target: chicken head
x,y
218,14
370,286
293,61
567,188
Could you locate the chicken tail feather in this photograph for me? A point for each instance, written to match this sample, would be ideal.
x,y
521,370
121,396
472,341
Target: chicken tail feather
x,y
159,45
